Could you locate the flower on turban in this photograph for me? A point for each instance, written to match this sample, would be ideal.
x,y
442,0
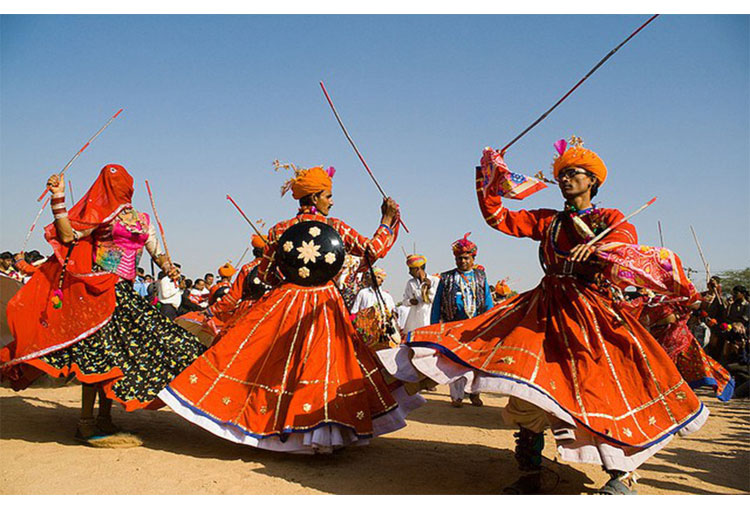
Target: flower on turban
x,y
227,270
578,156
415,261
308,181
464,246
258,241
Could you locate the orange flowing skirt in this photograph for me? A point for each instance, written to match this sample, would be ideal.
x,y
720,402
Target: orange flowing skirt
x,y
291,375
563,348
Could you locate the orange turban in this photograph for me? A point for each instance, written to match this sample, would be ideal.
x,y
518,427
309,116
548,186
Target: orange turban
x,y
227,270
502,288
578,156
310,181
415,261
258,241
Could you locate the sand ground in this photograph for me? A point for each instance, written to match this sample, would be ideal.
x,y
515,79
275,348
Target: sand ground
x,y
443,450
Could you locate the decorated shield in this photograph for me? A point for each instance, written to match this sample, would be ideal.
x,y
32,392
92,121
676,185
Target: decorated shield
x,y
252,287
310,253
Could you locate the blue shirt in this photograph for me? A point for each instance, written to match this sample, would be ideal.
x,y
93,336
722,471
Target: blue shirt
x,y
139,285
461,315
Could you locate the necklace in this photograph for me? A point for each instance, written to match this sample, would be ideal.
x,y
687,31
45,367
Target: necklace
x,y
468,288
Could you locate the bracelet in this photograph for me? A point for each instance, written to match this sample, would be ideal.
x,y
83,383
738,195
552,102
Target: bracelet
x,y
386,228
58,206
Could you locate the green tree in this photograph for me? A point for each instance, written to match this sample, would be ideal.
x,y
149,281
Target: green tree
x,y
732,277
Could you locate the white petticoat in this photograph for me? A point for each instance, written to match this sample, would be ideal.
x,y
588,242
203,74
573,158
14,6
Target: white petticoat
x,y
574,443
323,440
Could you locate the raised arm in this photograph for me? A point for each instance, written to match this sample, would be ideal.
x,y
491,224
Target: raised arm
x,y
65,231
381,242
522,224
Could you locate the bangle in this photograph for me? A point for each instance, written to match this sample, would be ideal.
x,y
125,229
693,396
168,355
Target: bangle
x,y
386,228
57,203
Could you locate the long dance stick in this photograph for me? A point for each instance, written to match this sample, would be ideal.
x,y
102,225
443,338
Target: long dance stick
x,y
601,62
31,229
247,219
78,153
70,186
356,150
700,252
243,255
661,236
158,222
620,222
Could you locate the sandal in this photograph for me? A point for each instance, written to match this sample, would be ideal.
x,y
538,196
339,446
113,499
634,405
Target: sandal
x,y
615,486
476,400
457,403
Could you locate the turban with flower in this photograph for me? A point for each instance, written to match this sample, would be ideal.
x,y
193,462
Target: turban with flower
x,y
578,156
464,246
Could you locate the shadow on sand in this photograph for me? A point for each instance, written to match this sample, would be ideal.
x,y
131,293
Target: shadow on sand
x,y
404,466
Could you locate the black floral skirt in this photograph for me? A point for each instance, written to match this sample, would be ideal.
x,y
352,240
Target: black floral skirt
x,y
148,349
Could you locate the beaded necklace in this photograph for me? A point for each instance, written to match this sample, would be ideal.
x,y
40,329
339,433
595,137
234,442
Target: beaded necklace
x,y
470,307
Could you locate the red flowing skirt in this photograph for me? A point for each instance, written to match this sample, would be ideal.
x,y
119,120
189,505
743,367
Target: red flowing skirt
x,y
290,363
563,342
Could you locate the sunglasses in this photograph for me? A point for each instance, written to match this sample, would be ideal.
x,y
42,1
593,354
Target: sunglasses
x,y
571,173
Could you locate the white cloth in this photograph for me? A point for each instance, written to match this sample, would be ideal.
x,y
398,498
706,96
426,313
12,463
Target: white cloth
x,y
168,292
200,297
419,314
367,298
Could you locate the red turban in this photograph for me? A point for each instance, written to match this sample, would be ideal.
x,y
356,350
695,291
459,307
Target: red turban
x,y
463,246
578,156
311,181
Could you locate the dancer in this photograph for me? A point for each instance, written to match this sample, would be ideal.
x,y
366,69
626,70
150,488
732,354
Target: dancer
x,y
290,374
667,321
226,272
244,291
564,355
463,293
80,315
419,293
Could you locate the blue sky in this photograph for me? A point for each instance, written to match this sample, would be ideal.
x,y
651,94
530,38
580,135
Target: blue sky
x,y
211,101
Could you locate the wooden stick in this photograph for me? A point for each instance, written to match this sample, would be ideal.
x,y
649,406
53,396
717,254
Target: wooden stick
x,y
78,153
661,236
601,62
158,222
247,219
620,222
356,150
243,256
703,258
31,229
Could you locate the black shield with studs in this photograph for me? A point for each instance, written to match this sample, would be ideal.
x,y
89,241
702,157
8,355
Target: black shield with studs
x,y
310,253
252,287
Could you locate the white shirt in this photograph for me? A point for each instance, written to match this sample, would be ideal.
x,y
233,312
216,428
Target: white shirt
x,y
168,292
419,314
367,298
